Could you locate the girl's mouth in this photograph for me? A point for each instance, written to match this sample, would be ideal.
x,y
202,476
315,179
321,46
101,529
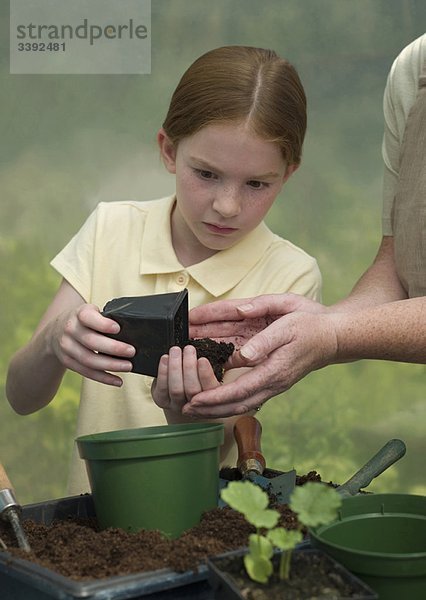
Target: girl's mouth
x,y
219,229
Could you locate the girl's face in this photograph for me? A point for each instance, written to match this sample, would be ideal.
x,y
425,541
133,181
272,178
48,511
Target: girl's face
x,y
227,179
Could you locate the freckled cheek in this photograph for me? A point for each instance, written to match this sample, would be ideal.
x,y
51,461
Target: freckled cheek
x,y
257,210
190,183
191,198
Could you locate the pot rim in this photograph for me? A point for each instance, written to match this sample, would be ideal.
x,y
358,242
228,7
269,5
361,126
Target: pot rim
x,y
150,441
374,506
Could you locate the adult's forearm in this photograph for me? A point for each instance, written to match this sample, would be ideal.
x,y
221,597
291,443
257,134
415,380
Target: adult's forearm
x,y
34,376
393,331
377,320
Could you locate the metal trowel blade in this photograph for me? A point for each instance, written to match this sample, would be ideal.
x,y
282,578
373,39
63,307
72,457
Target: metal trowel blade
x,y
281,486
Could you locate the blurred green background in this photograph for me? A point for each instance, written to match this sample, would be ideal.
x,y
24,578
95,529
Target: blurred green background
x,y
68,142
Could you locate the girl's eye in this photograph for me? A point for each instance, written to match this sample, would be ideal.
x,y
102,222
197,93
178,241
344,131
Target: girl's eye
x,y
257,185
205,174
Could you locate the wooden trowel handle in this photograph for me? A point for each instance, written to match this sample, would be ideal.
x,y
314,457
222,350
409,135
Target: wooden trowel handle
x,y
247,432
4,479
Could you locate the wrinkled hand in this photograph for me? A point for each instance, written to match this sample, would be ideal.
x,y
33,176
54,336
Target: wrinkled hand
x,y
239,321
282,354
181,375
80,344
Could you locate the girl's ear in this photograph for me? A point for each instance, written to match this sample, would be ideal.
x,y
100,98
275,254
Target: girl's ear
x,y
290,170
167,151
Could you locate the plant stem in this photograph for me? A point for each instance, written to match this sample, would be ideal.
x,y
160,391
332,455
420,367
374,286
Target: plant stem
x,y
285,564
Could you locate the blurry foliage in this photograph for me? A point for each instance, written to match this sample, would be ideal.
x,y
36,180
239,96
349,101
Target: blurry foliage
x,y
71,141
34,448
336,419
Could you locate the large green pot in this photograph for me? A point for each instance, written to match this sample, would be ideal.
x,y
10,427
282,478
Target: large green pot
x,y
382,539
154,477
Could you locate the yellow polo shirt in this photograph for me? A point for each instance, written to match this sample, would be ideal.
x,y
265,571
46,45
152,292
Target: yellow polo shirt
x,y
125,249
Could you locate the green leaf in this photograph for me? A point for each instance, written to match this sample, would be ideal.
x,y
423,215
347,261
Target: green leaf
x,y
244,496
259,569
315,503
250,500
284,539
267,518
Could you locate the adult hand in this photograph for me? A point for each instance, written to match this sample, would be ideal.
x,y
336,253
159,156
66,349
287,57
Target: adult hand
x,y
282,354
181,375
79,341
244,322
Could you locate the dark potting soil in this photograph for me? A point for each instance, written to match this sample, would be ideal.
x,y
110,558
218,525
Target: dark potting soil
x,y
312,575
216,352
76,548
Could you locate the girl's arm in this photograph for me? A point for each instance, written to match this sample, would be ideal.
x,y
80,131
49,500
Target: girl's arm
x,y
69,335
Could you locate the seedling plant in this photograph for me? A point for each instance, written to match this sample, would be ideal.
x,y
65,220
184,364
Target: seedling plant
x,y
314,503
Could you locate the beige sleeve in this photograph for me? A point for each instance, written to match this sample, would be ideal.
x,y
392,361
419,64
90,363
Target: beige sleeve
x,y
399,97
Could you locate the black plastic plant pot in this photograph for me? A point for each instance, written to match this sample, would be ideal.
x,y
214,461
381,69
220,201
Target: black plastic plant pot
x,y
229,580
152,324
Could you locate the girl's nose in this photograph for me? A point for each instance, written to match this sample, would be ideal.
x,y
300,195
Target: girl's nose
x,y
227,202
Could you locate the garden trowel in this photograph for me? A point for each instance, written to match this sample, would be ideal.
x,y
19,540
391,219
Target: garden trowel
x,y
251,462
392,451
10,509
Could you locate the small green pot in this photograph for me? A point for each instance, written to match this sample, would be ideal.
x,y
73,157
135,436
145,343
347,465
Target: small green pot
x,y
154,477
382,539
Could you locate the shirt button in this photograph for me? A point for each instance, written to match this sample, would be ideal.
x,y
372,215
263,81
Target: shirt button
x,y
182,279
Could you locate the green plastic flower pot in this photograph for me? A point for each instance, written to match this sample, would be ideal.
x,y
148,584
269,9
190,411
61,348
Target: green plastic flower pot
x,y
154,477
382,539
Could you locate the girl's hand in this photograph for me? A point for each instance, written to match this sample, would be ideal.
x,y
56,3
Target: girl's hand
x,y
71,334
181,375
80,343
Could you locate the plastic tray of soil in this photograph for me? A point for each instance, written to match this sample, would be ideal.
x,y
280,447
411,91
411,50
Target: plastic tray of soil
x,y
21,579
313,574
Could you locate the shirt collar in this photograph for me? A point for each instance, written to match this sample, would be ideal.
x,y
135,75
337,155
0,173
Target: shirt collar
x,y
217,274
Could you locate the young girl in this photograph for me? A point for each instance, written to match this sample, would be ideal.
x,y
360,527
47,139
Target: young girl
x,y
232,137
